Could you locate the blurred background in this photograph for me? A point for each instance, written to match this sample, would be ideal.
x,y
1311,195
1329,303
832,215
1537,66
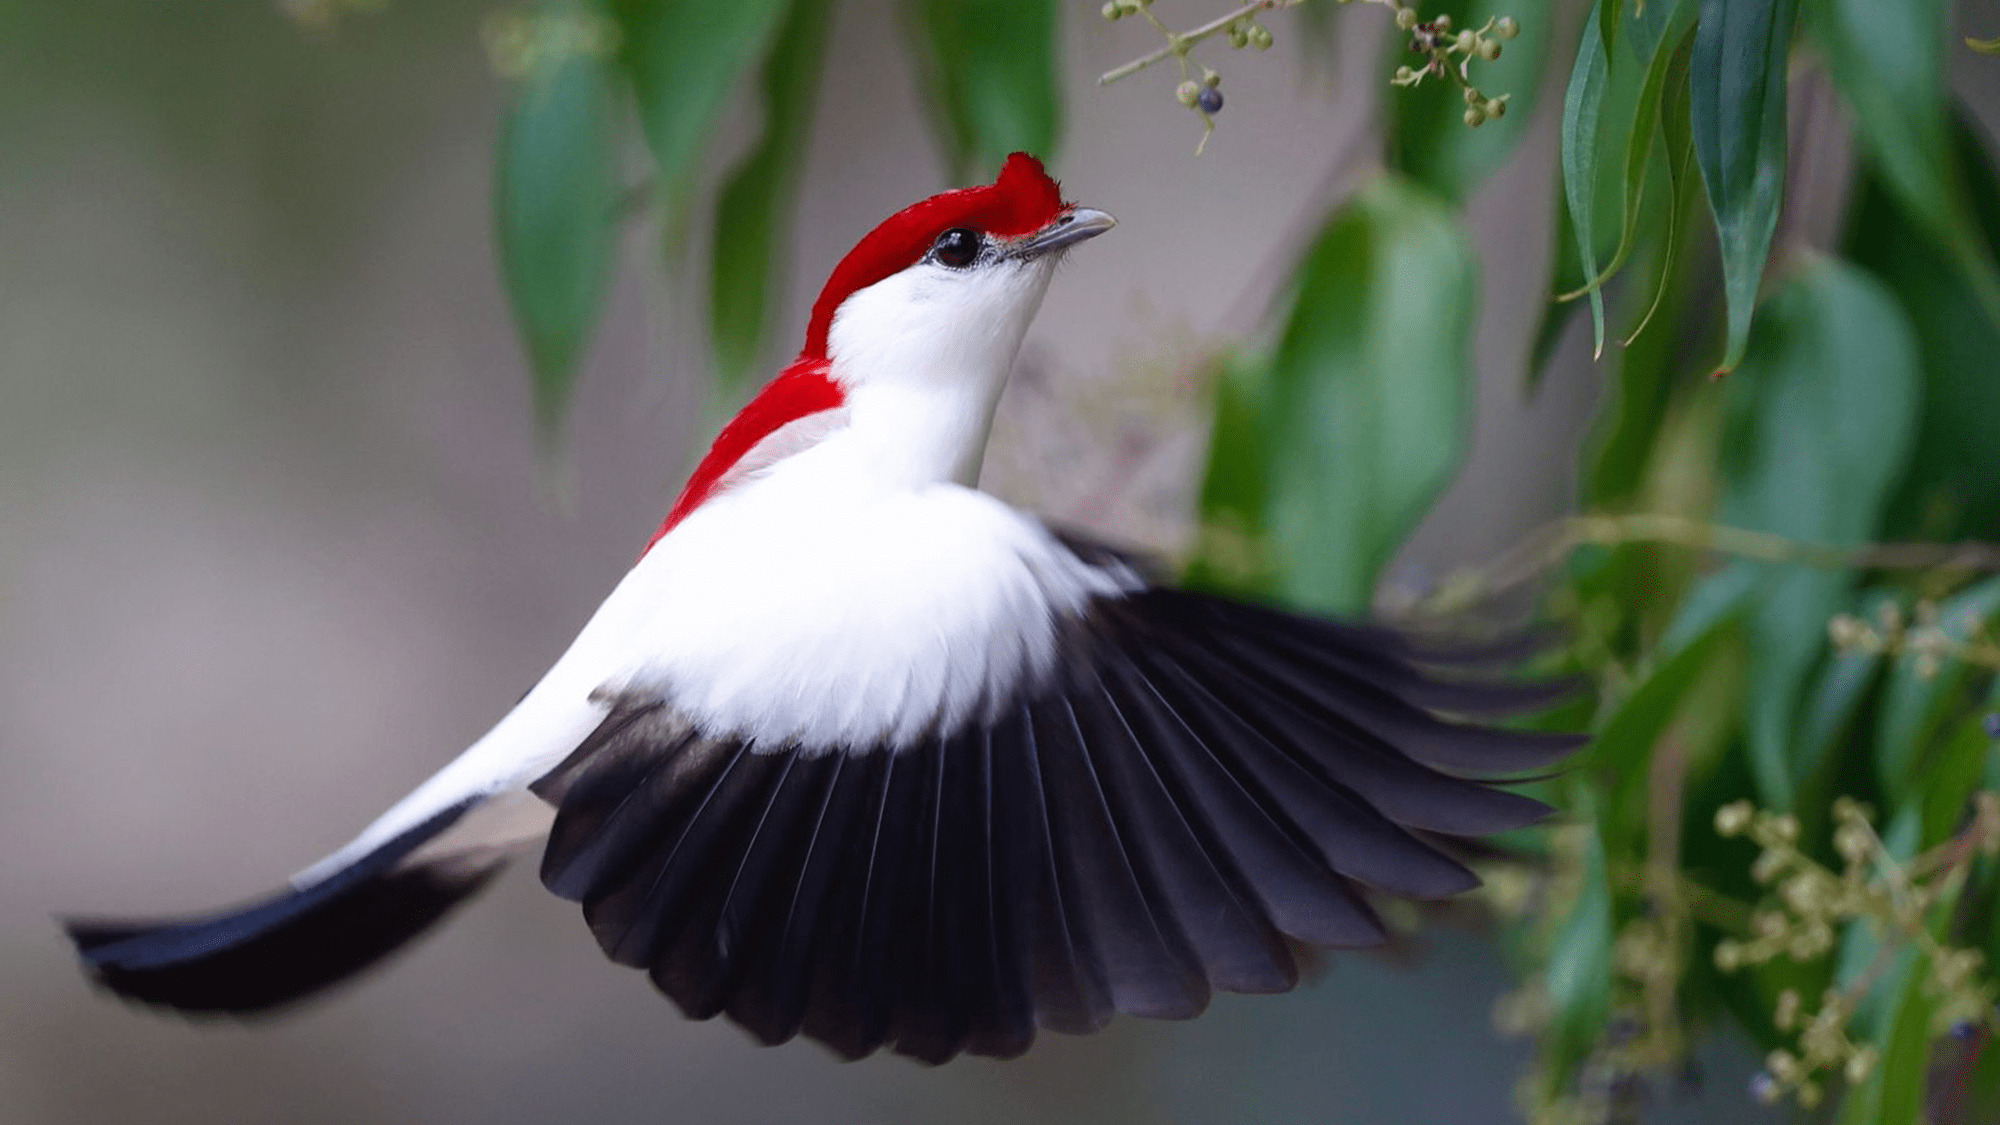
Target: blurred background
x,y
276,539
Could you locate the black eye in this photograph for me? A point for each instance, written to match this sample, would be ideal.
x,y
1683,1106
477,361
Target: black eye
x,y
956,247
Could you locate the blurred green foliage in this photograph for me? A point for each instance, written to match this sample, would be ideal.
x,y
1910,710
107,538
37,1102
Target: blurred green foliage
x,y
1819,663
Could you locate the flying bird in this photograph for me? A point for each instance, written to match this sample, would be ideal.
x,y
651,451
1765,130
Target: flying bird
x,y
858,752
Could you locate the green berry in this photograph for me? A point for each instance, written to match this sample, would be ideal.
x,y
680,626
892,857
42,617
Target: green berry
x,y
1442,23
1111,10
1260,36
1506,28
1472,96
1406,18
1475,117
1496,108
1489,49
1465,42
1187,92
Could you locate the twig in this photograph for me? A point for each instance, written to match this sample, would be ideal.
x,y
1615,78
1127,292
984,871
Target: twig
x,y
1548,545
1181,42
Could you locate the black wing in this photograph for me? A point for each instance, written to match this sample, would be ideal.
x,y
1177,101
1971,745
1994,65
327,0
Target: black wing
x,y
1200,781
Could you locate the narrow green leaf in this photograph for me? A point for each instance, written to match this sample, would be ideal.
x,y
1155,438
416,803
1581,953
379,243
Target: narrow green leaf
x,y
1428,138
555,204
1952,489
1893,1094
1818,430
684,58
1888,62
1229,554
990,66
1918,697
1678,141
1948,783
753,212
1611,114
1738,115
1619,755
1367,409
1579,966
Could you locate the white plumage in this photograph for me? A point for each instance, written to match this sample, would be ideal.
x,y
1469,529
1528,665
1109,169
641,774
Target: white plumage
x,y
845,589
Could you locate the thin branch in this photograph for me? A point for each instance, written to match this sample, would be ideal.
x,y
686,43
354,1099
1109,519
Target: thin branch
x,y
1548,545
1179,43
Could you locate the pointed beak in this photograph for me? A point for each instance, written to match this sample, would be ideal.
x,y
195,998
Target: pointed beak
x,y
1070,228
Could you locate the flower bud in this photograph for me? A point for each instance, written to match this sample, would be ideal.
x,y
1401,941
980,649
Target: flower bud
x,y
1506,28
1406,18
1465,42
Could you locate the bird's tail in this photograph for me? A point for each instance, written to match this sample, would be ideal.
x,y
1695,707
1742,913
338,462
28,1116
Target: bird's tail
x,y
316,933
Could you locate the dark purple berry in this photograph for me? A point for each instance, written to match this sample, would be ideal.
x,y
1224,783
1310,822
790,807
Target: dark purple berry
x,y
1210,100
1963,1030
1992,725
1763,1087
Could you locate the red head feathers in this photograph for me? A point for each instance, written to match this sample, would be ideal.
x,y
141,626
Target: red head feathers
x,y
1024,199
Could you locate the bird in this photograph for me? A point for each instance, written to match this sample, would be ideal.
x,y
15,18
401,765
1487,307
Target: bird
x,y
858,752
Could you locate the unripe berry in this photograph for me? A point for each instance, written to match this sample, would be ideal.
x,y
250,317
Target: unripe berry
x,y
1442,23
1471,96
1260,36
1496,107
1474,116
1465,42
1489,49
1187,92
1506,28
1406,18
1111,10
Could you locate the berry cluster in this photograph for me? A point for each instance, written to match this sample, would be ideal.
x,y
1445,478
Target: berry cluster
x,y
1814,903
1448,56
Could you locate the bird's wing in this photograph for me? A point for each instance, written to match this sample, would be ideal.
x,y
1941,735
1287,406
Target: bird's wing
x,y
1188,784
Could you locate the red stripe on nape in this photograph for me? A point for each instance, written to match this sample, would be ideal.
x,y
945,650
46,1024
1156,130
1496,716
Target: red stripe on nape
x,y
1024,199
806,387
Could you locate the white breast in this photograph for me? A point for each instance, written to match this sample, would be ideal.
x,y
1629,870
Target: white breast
x,y
790,612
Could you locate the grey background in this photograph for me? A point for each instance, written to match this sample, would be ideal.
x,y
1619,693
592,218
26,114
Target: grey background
x,y
274,544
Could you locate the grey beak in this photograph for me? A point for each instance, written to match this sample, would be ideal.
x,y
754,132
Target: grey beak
x,y
1070,228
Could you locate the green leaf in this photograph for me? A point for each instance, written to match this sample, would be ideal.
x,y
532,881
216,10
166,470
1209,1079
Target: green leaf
x,y
1738,116
1947,784
1611,113
753,212
1952,489
1893,1094
1366,413
684,58
1579,965
1620,754
556,204
1915,704
1820,423
1888,62
1229,554
991,69
1428,138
